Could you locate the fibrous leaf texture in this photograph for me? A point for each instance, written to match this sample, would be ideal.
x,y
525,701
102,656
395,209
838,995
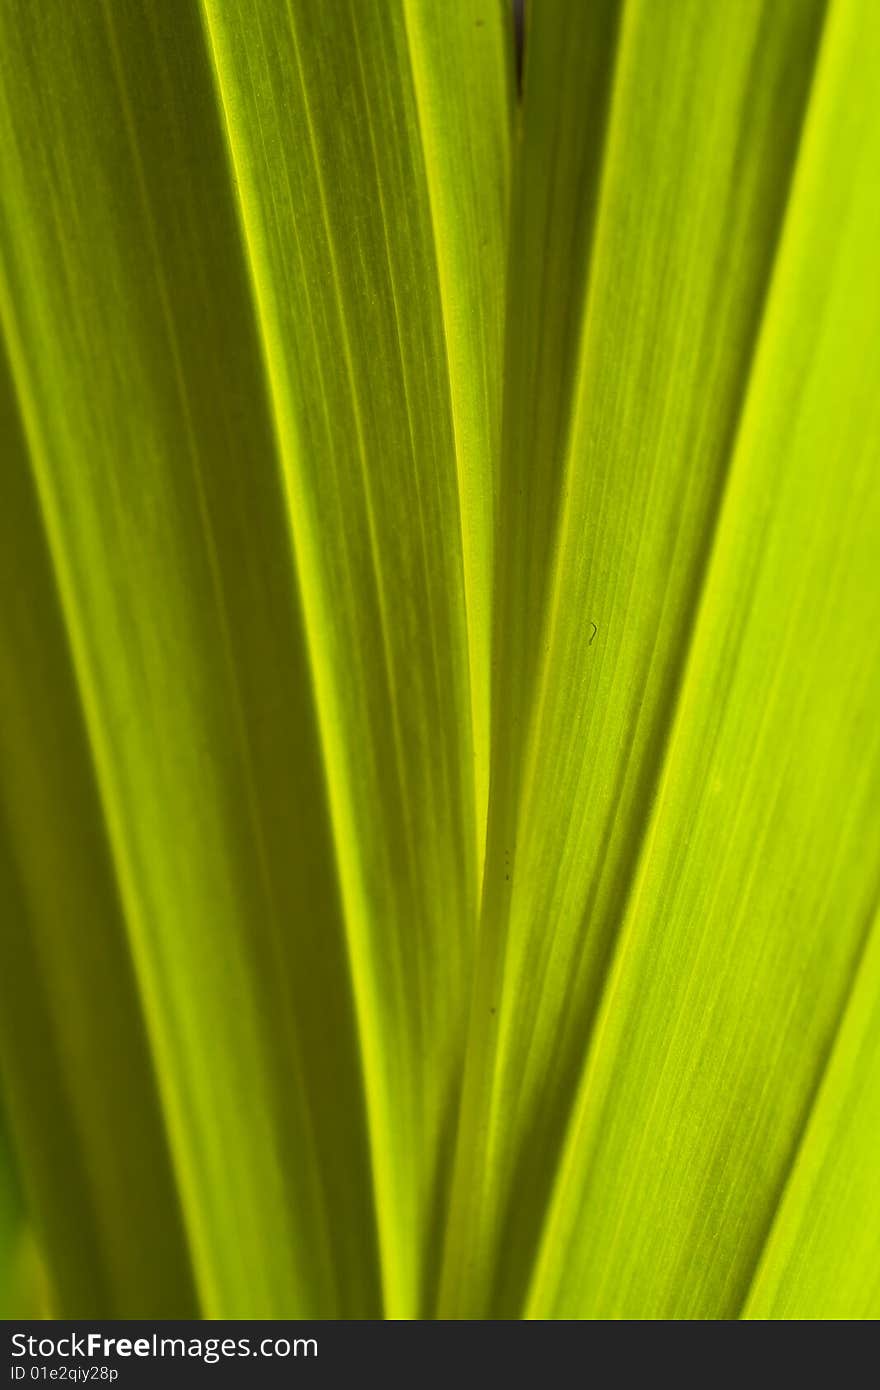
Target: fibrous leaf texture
x,y
439,661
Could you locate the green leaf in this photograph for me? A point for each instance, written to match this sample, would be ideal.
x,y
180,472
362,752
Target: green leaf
x,y
95,1167
135,357
681,209
359,285
24,1291
757,879
820,1259
199,422
439,767
12,1225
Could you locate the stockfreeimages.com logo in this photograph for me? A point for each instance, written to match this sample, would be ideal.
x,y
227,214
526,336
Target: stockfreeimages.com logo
x,y
95,1346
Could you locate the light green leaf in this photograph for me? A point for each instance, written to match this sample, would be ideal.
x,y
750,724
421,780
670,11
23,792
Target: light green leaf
x,y
698,146
462,77
359,287
758,876
213,347
439,765
94,1165
132,343
820,1260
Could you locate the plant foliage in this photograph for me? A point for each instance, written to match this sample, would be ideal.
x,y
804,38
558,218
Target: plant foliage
x,y
439,672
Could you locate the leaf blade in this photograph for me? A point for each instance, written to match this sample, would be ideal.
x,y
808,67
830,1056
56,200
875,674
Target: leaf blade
x,y
749,909
704,118
191,674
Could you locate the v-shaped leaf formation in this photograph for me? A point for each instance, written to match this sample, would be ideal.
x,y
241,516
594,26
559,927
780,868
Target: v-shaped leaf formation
x,y
439,659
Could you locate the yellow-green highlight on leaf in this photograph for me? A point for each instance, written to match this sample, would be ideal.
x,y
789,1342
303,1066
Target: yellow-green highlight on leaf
x,y
758,876
126,311
74,1061
684,203
462,78
439,596
820,1260
383,446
